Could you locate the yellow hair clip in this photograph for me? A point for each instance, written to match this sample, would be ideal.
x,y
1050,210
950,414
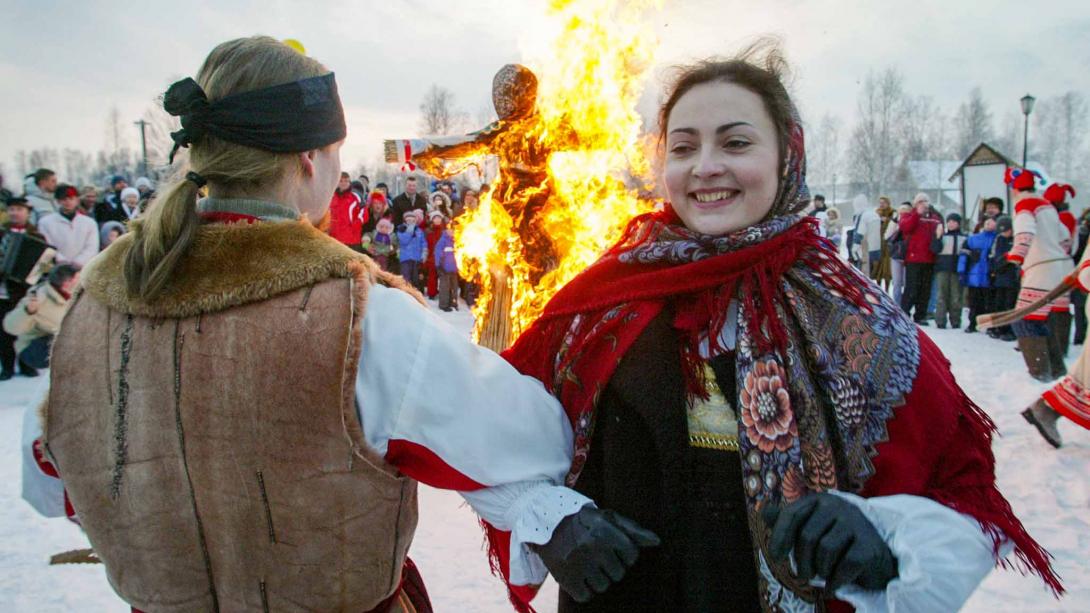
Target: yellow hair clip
x,y
294,44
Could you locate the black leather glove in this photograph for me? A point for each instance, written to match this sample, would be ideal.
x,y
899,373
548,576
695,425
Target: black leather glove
x,y
832,539
592,549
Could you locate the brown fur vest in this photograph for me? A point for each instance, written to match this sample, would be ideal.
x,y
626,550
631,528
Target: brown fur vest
x,y
209,440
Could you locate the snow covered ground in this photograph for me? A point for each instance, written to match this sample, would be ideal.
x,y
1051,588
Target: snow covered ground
x,y
1050,491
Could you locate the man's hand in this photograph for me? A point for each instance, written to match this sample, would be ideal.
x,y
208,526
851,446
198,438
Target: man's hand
x,y
32,305
591,550
939,231
831,539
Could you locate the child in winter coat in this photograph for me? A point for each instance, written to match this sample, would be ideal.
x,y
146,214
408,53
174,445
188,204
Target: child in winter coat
x,y
379,243
974,272
947,248
833,226
446,267
436,227
410,247
1004,275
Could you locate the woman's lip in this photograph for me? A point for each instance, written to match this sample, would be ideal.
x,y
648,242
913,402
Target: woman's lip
x,y
714,204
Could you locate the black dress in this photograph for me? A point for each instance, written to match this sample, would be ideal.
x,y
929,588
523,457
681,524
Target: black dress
x,y
643,465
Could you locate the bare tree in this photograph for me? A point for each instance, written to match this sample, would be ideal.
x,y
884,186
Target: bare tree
x,y
45,158
438,114
157,137
77,166
1009,138
1061,124
973,123
824,152
875,146
22,163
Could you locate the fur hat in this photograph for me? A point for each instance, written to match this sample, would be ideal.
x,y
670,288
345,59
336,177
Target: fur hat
x,y
18,201
1057,193
143,182
445,204
130,191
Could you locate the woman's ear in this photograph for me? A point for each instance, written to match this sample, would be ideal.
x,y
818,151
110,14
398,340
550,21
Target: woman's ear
x,y
306,159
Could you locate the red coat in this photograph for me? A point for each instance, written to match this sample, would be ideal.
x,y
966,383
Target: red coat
x,y
919,232
346,217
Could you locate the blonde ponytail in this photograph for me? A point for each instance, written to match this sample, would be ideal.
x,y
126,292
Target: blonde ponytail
x,y
160,238
166,232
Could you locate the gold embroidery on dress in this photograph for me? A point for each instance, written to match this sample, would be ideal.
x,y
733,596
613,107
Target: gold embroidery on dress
x,y
713,423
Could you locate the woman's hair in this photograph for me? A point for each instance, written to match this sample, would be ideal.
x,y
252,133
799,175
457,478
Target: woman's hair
x,y
163,235
760,68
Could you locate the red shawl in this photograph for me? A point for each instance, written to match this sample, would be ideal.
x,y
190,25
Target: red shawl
x,y
927,440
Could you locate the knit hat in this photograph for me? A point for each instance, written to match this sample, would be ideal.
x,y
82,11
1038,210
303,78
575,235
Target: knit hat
x,y
1057,193
1020,179
435,214
130,191
114,180
376,195
953,217
143,182
1003,223
65,190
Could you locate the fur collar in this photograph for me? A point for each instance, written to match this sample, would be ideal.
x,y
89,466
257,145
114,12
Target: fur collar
x,y
234,264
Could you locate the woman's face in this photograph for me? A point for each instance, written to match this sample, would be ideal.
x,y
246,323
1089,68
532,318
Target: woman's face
x,y
722,158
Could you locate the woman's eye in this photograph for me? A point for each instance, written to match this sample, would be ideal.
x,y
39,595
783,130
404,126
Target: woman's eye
x,y
681,148
736,143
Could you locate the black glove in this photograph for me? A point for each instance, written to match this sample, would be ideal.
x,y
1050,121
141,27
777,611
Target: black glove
x,y
591,550
832,539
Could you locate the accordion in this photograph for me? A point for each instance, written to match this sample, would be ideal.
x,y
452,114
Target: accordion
x,y
24,258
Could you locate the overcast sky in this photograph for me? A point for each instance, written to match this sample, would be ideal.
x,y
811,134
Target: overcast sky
x,y
63,65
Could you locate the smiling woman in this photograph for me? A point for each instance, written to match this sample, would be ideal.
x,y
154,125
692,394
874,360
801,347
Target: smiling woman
x,y
741,391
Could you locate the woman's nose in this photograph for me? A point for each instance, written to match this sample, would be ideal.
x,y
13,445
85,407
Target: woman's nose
x,y
710,163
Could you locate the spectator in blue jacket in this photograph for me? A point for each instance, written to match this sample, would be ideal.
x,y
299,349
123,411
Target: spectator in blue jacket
x,y
447,268
411,245
974,270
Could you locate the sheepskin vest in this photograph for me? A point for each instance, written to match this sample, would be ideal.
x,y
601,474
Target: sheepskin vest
x,y
209,440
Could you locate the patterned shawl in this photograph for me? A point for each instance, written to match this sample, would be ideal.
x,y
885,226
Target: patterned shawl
x,y
822,354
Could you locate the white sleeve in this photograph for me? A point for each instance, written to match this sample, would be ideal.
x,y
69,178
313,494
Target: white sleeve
x,y
942,555
43,492
530,510
90,242
459,414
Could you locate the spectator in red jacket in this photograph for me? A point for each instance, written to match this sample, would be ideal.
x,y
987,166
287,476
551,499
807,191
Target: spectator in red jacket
x,y
346,214
919,227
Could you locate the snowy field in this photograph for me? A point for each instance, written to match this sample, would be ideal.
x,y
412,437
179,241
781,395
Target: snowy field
x,y
1050,491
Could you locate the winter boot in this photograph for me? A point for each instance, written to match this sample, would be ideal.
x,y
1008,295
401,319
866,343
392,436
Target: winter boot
x,y
1044,419
1035,352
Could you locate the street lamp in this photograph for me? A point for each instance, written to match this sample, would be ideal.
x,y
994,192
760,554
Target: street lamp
x,y
1027,108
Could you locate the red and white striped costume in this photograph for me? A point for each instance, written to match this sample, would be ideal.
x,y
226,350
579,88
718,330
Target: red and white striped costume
x,y
1071,396
1042,247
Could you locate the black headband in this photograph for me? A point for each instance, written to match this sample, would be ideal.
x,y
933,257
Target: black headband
x,y
287,118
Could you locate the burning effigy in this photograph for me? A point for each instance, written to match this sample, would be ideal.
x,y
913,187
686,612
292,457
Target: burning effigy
x,y
568,141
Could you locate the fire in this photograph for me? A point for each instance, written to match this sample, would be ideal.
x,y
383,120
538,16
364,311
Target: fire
x,y
594,59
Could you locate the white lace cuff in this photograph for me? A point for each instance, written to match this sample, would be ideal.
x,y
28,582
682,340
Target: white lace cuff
x,y
942,555
530,510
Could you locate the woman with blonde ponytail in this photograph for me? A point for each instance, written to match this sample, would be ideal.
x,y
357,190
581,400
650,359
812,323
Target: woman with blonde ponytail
x,y
251,431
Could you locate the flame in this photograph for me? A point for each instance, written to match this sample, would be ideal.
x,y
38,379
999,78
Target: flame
x,y
594,58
